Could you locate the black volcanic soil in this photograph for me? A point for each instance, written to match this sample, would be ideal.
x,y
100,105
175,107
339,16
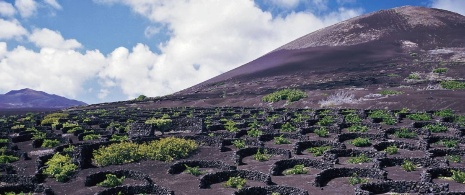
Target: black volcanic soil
x,y
183,183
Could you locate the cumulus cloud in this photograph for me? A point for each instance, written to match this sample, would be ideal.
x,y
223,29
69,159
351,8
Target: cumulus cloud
x,y
26,8
204,43
62,72
451,5
53,3
11,29
6,9
46,38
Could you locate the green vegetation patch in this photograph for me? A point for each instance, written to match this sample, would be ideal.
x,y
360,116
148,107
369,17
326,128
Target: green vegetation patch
x,y
440,70
7,158
291,95
318,151
419,117
60,167
239,144
321,132
452,85
436,128
236,182
361,142
355,179
408,166
281,140
111,181
297,169
50,143
391,149
405,133
195,171
359,159
259,156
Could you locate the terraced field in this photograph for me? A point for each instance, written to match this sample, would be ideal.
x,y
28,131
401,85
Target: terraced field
x,y
280,151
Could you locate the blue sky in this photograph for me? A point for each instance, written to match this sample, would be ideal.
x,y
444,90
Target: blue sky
x,y
112,50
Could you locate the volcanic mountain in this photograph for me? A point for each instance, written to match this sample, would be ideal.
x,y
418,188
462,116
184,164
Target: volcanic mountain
x,y
401,57
31,99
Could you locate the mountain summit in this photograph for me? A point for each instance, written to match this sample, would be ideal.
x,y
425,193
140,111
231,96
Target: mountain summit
x,y
28,98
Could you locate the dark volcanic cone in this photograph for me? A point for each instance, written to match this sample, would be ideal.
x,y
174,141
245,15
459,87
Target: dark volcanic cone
x,y
361,57
30,99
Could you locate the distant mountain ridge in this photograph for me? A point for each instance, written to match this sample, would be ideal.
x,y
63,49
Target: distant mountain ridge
x,y
28,98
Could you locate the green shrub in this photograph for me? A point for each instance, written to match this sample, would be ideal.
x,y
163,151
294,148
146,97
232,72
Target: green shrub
x,y
69,149
436,128
414,76
60,167
91,137
405,133
352,118
74,129
359,159
17,127
39,135
454,158
325,121
111,181
7,158
321,132
53,118
408,166
384,115
440,70
318,151
231,126
390,92
452,85
259,156
254,133
195,171
361,142
419,117
450,143
239,144
355,179
162,124
165,149
4,140
444,113
141,98
50,143
391,149
291,95
357,128
287,127
281,140
236,182
297,169
458,176
120,138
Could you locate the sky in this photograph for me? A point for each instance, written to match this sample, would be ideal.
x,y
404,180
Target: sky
x,y
113,50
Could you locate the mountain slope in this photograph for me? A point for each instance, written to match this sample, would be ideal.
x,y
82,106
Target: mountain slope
x,y
28,98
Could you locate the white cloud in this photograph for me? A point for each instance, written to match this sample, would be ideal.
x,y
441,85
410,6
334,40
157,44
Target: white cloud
x,y
46,38
26,8
6,9
61,72
103,93
457,6
53,3
151,31
11,29
229,34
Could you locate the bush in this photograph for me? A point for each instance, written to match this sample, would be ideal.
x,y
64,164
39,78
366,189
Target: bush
x,y
60,167
391,149
325,121
39,135
452,85
408,166
384,115
297,169
4,140
355,179
390,92
259,156
231,126
419,117
239,144
405,133
357,128
291,95
120,138
7,158
111,181
53,118
50,143
69,149
318,151
321,132
444,113
281,140
91,137
195,171
254,133
359,159
141,98
235,182
440,70
162,124
450,143
454,158
458,176
352,118
361,142
436,128
287,127
165,149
